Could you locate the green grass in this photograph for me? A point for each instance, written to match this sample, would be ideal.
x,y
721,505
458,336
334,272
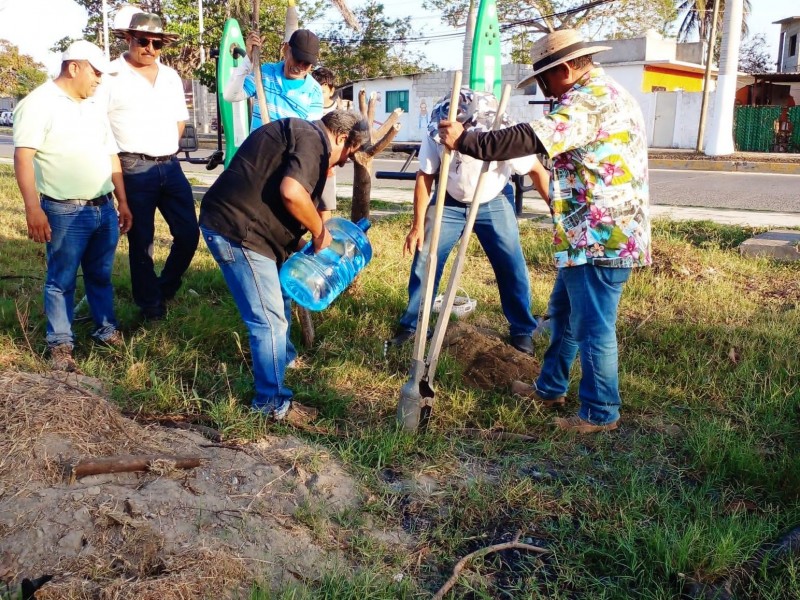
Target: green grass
x,y
704,470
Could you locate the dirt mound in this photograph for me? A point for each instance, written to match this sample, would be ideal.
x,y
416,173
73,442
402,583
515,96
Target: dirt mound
x,y
489,362
165,533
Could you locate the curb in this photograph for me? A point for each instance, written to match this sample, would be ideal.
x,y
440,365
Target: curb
x,y
737,166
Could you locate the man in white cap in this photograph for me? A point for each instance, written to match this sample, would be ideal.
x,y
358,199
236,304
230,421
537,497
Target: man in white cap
x,y
147,110
66,166
289,88
600,203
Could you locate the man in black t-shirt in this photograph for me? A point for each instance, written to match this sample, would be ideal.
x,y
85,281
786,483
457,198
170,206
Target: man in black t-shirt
x,y
252,219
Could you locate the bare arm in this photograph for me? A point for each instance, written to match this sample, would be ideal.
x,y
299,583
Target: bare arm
x,y
422,196
38,226
125,216
298,202
541,181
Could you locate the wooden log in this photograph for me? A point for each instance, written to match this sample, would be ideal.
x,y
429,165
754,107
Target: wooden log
x,y
128,464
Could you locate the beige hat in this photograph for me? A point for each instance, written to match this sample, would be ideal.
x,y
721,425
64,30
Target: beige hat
x,y
143,22
557,48
83,50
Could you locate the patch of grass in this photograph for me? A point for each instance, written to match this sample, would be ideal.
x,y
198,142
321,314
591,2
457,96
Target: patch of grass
x,y
703,470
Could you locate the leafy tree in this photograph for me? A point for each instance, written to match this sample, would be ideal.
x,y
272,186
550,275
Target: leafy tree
x,y
754,56
522,19
697,17
19,73
378,49
181,17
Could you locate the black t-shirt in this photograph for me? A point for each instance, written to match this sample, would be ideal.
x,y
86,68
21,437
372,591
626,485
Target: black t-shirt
x,y
244,204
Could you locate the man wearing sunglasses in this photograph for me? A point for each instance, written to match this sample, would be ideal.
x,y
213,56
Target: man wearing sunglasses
x,y
599,198
147,110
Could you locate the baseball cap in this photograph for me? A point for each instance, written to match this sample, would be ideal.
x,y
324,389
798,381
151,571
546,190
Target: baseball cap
x,y
83,50
305,46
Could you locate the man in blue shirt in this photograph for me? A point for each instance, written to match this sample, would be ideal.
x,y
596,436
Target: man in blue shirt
x,y
288,86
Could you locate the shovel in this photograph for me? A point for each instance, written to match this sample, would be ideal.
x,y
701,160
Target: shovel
x,y
410,408
427,370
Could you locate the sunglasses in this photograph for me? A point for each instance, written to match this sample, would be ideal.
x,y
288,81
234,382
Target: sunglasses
x,y
145,42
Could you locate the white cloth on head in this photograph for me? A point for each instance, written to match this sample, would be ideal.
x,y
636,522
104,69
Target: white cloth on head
x,y
145,116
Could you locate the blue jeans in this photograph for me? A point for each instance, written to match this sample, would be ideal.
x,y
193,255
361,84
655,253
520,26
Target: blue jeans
x,y
84,236
583,316
498,233
253,281
163,186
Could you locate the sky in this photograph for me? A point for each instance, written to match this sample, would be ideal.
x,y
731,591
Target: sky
x,y
35,25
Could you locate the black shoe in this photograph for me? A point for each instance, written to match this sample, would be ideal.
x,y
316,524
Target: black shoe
x,y
523,343
154,313
401,336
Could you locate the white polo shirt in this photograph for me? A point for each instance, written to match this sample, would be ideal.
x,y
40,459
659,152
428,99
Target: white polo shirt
x,y
145,117
73,143
465,171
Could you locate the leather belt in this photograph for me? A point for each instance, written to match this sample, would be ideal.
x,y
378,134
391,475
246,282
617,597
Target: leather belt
x,y
99,201
147,157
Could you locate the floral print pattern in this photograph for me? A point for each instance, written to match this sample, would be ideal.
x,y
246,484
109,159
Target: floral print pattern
x,y
599,185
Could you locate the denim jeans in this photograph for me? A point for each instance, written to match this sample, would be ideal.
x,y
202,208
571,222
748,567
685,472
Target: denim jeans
x,y
149,186
84,236
253,281
498,233
583,316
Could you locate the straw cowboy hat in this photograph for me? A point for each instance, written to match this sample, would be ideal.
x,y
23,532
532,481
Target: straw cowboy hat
x,y
557,48
142,22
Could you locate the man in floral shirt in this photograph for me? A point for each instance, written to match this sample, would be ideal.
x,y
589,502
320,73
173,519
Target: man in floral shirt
x,y
600,204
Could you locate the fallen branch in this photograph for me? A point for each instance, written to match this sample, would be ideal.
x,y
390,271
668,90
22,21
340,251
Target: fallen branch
x,y
489,434
515,545
128,464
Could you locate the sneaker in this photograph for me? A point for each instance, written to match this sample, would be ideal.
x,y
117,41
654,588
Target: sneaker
x,y
291,412
528,392
115,340
61,359
523,343
578,425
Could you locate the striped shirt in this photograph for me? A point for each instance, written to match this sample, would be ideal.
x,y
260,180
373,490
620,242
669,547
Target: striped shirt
x,y
301,98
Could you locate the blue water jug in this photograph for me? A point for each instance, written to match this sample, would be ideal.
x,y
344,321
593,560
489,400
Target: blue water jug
x,y
315,280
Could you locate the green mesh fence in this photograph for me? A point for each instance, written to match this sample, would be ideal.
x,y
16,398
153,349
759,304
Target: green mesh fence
x,y
753,128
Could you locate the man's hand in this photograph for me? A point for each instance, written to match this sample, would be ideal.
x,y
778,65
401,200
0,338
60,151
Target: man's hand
x,y
38,225
322,241
125,217
414,240
449,132
253,40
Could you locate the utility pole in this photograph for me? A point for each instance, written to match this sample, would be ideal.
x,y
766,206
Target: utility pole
x,y
720,140
469,38
701,129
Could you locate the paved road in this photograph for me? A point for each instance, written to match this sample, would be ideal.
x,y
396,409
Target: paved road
x,y
707,189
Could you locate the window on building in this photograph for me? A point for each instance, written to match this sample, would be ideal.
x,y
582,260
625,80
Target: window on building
x,y
793,45
397,99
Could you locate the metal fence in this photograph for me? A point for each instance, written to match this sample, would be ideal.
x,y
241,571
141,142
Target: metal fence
x,y
754,128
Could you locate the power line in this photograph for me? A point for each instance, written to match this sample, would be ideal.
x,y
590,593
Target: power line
x,y
460,33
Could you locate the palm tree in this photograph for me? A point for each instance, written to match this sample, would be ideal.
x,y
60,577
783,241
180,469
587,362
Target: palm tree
x,y
697,15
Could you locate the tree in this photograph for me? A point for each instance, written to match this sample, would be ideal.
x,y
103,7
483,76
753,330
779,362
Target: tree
x,y
182,18
754,56
522,19
697,15
378,49
19,73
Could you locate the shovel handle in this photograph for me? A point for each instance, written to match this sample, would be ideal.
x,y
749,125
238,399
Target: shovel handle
x,y
424,315
458,263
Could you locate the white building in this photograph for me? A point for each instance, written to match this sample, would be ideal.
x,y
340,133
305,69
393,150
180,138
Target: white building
x,y
665,78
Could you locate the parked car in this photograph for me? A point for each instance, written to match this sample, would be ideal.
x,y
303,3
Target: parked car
x,y
6,118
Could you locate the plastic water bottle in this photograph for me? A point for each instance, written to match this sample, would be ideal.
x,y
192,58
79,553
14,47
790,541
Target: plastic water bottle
x,y
315,280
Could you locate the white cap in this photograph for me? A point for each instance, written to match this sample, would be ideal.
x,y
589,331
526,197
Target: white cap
x,y
83,50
